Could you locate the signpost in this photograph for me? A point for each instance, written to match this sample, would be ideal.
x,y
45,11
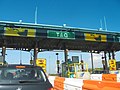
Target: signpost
x,y
60,34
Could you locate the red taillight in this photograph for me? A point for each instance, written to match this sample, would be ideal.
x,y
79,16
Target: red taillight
x,y
50,89
20,67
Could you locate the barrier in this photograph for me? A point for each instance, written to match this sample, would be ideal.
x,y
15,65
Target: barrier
x,y
118,77
111,85
109,77
96,77
97,82
100,85
106,77
73,84
51,79
91,85
59,83
115,72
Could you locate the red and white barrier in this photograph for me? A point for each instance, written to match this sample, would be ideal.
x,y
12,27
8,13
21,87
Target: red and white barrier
x,y
96,77
118,77
105,77
97,82
52,79
73,84
61,83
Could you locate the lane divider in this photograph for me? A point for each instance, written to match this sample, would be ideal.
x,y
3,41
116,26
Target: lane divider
x,y
73,84
59,83
97,82
100,85
106,77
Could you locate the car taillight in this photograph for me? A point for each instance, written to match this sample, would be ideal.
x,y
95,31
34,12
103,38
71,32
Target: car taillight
x,y
50,89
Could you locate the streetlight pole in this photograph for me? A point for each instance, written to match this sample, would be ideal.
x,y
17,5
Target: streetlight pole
x,y
57,55
92,61
57,63
3,53
106,67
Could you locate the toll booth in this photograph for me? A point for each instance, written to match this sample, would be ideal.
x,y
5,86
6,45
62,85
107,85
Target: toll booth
x,y
70,69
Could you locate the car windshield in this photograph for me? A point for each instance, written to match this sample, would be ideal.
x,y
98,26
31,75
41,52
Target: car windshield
x,y
22,74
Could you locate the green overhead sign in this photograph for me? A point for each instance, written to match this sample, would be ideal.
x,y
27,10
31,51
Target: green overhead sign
x,y
60,34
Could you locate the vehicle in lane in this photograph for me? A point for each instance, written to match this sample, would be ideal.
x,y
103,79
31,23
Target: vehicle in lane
x,y
23,77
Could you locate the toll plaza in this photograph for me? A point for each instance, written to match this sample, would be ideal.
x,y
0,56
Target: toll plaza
x,y
28,36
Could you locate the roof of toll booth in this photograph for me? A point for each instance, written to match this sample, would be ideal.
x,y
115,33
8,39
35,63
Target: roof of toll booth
x,y
26,36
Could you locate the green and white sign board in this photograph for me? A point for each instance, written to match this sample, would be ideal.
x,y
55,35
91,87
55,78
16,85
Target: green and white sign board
x,y
60,34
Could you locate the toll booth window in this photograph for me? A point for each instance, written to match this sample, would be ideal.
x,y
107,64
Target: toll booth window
x,y
72,69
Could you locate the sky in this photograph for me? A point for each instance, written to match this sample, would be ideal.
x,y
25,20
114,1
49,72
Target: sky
x,y
73,13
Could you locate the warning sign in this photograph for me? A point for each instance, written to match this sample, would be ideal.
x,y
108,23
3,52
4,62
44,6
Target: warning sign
x,y
112,64
42,63
95,37
26,32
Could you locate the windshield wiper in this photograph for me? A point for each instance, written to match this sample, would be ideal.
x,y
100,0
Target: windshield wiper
x,y
29,81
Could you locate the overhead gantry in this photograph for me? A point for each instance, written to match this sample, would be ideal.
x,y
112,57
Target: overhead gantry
x,y
27,36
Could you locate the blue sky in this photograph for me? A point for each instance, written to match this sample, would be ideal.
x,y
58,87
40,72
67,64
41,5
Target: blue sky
x,y
74,13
